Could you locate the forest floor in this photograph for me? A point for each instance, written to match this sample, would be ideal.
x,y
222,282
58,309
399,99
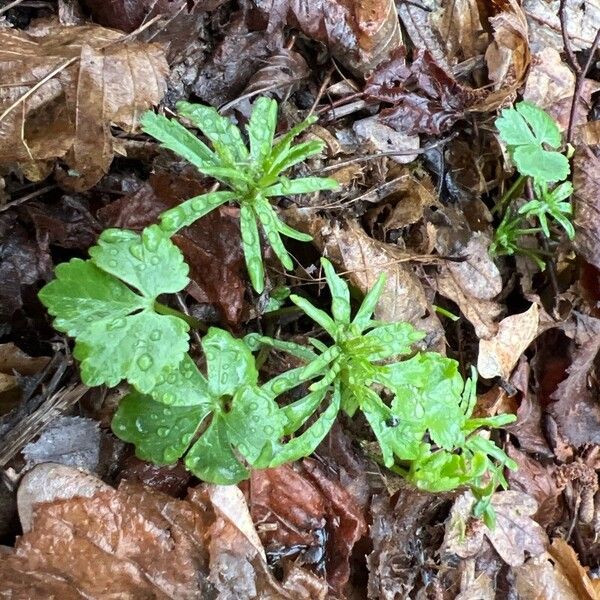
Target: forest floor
x,y
407,95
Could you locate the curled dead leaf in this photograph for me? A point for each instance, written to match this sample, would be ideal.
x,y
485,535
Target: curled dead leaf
x,y
360,34
498,355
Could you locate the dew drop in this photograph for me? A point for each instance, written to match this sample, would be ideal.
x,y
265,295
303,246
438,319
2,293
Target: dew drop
x,y
172,221
168,398
279,386
163,432
198,204
151,242
136,251
116,324
419,411
171,454
193,461
153,417
144,362
187,438
253,406
155,335
139,425
167,412
171,378
269,430
154,260
112,263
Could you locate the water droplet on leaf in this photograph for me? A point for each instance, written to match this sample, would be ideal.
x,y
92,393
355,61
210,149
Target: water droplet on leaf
x,y
144,362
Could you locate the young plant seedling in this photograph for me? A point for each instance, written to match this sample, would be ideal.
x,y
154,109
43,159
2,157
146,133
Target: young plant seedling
x,y
228,419
252,175
528,132
426,432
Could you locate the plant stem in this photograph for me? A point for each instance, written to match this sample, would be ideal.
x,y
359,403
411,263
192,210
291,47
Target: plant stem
x,y
509,194
163,309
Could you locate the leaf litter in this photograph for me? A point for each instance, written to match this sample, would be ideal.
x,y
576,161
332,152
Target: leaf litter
x,y
407,96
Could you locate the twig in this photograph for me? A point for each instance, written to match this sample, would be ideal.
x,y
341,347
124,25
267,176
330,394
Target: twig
x,y
9,6
579,71
321,91
367,157
26,198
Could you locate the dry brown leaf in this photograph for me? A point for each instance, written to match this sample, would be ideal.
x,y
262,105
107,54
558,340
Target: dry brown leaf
x,y
460,26
507,57
360,33
567,558
576,410
551,85
135,543
498,355
93,82
472,283
586,182
583,21
515,534
556,575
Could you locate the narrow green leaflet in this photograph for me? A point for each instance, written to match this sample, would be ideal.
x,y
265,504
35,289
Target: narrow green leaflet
x,y
340,293
223,134
251,175
261,130
119,334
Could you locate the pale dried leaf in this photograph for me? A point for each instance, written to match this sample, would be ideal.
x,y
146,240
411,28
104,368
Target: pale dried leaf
x,y
583,21
498,355
50,482
14,359
376,137
515,534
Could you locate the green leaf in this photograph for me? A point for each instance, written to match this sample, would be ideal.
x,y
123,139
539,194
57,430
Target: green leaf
x,y
223,134
229,363
526,129
191,210
541,164
161,434
394,339
212,459
182,385
286,230
340,294
282,146
297,413
295,155
136,348
261,129
119,336
265,213
362,318
175,137
251,245
254,341
304,185
316,314
82,294
253,422
149,262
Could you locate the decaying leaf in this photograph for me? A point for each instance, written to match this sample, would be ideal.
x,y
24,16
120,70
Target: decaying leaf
x,y
426,98
498,355
551,85
508,55
134,543
473,282
312,512
576,410
583,20
459,24
556,575
23,262
515,535
216,264
586,183
360,34
86,81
